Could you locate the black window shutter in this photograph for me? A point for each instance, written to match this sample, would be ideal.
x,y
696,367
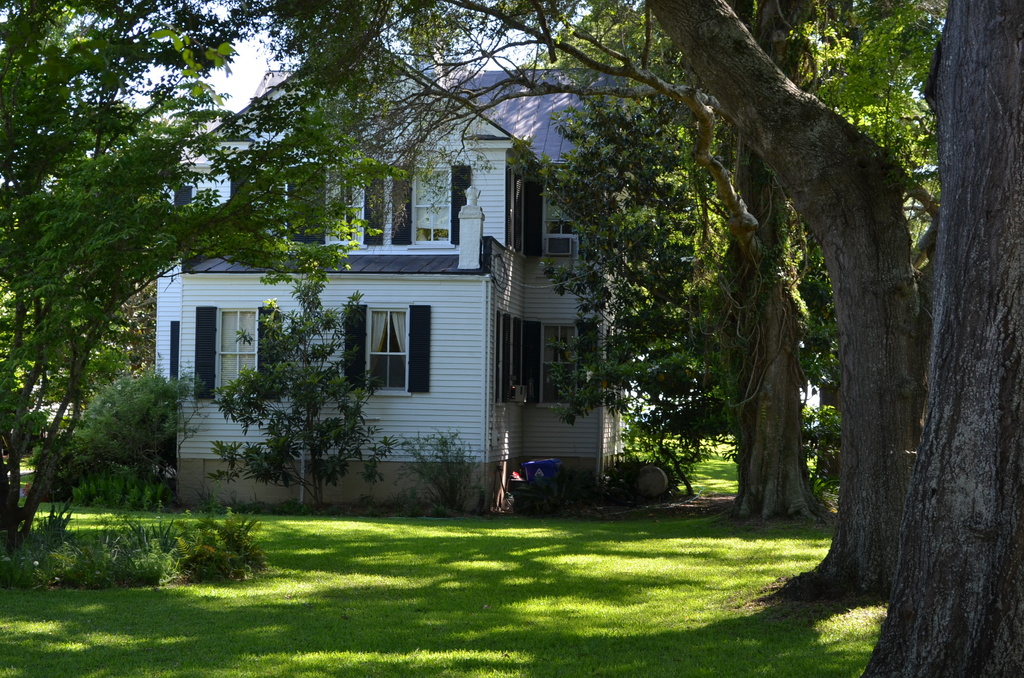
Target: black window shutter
x,y
462,177
497,358
236,186
533,219
401,230
510,202
506,353
533,355
175,348
373,213
517,351
419,349
517,214
355,341
302,204
206,350
183,196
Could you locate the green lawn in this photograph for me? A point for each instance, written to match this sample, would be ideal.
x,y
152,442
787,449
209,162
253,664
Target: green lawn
x,y
467,597
715,476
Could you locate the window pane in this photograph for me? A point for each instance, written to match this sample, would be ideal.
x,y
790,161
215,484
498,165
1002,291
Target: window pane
x,y
378,332
396,371
379,368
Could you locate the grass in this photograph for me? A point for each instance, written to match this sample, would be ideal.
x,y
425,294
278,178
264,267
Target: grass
x,y
715,476
469,597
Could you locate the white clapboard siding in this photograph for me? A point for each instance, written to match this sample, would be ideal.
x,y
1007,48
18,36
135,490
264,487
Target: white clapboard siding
x,y
546,436
458,364
168,309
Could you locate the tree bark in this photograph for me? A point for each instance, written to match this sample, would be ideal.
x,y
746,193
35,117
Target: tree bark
x,y
957,606
773,478
850,195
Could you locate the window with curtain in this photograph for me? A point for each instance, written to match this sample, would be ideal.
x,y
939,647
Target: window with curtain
x,y
237,343
388,348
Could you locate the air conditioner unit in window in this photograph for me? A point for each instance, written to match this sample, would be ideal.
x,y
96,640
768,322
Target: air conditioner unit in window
x,y
562,245
518,393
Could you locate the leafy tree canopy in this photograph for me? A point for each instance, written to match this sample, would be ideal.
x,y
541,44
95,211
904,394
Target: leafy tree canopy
x,y
101,122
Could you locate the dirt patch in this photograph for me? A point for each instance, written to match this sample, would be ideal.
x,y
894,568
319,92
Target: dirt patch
x,y
686,508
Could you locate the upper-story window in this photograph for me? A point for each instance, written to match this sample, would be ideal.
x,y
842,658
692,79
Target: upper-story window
x,y
559,237
432,207
237,343
557,339
355,201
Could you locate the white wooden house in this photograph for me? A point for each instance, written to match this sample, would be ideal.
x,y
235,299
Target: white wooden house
x,y
459,316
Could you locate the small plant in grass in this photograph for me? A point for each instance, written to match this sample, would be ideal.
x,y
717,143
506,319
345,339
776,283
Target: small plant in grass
x,y
126,552
444,468
227,549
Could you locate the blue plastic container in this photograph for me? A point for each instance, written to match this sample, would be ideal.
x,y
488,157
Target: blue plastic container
x,y
541,470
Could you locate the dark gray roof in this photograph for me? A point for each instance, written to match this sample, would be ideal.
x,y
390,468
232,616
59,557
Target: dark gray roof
x,y
529,117
526,117
389,264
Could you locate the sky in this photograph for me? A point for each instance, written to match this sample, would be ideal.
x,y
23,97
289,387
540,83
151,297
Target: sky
x,y
247,70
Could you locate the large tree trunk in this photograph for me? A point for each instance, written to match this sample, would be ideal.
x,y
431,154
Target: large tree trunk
x,y
958,601
773,478
846,189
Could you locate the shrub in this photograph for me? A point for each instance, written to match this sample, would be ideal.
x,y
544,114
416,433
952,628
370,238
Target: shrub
x,y
211,549
445,469
620,481
130,552
130,427
307,409
122,490
125,553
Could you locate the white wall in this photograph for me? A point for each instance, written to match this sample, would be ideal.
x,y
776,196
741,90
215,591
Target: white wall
x,y
458,365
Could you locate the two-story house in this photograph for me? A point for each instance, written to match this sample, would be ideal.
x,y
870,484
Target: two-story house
x,y
460,318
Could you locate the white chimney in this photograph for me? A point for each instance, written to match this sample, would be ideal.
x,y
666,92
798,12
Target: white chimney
x,y
471,230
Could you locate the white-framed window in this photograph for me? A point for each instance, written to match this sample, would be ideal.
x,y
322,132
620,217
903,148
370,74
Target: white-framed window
x,y
388,347
559,237
237,348
556,352
431,206
355,200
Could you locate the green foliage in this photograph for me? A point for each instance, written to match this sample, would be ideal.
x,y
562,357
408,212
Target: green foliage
x,y
210,549
643,215
125,552
874,61
307,413
122,490
130,428
822,439
99,110
620,479
445,468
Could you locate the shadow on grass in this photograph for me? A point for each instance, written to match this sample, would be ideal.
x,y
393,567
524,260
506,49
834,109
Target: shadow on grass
x,y
459,598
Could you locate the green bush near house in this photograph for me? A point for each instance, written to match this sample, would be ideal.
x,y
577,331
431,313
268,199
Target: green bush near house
x,y
122,490
444,469
128,431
